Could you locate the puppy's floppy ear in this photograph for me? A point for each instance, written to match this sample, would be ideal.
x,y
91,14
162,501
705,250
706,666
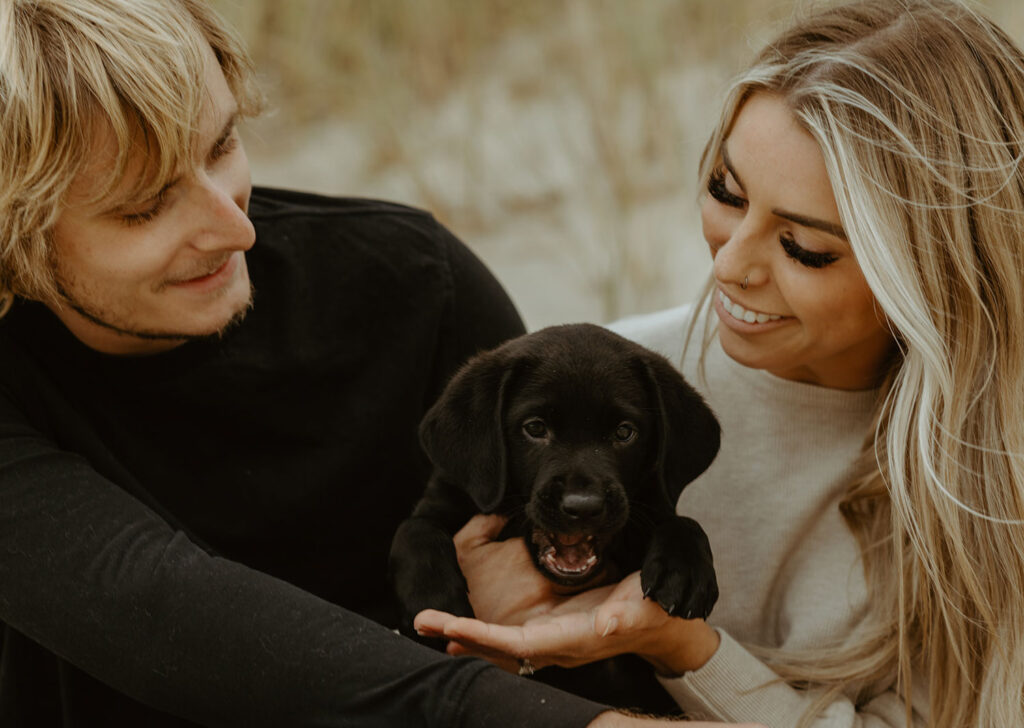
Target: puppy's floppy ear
x,y
463,432
690,434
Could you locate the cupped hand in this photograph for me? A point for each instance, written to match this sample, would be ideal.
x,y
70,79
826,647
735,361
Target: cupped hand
x,y
504,585
575,630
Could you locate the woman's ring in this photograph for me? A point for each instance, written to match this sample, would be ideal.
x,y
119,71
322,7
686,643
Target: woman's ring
x,y
526,667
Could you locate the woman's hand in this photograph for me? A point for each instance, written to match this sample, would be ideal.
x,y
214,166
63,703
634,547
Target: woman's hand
x,y
504,585
591,626
522,615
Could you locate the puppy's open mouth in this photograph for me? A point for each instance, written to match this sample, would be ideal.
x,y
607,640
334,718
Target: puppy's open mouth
x,y
569,557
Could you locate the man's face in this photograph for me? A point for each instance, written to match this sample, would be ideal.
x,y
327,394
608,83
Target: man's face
x,y
146,277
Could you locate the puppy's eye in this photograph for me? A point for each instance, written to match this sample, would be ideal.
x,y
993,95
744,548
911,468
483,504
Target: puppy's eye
x,y
536,429
625,433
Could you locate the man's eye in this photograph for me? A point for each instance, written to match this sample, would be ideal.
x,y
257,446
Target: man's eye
x,y
140,218
535,429
225,147
625,432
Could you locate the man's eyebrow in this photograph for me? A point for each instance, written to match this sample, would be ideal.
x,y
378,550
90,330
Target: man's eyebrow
x,y
128,207
225,132
812,222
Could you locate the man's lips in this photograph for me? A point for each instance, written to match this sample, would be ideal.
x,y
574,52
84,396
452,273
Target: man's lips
x,y
210,279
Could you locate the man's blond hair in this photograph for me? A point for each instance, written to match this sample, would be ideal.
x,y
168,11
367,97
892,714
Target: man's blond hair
x,y
70,69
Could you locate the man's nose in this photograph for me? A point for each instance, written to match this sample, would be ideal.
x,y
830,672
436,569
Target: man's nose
x,y
222,220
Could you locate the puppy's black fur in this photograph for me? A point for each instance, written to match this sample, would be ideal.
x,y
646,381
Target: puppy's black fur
x,y
585,440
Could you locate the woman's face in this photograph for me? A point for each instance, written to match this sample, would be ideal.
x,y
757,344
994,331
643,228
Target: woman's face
x,y
790,296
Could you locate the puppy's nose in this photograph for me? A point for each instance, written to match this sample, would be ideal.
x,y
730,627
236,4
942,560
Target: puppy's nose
x,y
582,505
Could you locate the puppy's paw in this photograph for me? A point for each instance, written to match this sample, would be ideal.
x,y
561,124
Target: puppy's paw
x,y
683,589
678,571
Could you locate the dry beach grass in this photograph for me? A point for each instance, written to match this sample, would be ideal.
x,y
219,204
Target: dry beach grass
x,y
558,138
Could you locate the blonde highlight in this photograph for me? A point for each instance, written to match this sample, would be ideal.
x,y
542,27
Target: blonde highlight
x,y
918,108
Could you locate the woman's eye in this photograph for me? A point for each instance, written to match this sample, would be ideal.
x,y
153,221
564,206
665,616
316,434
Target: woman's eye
x,y
721,193
535,429
802,255
625,432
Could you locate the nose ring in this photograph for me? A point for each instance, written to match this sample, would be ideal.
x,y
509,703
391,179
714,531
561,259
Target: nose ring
x,y
743,285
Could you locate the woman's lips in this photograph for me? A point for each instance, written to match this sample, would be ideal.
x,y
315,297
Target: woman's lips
x,y
737,316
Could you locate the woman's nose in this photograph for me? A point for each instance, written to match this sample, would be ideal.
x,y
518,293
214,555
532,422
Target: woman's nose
x,y
738,257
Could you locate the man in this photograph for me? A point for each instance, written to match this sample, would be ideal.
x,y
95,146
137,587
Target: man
x,y
208,402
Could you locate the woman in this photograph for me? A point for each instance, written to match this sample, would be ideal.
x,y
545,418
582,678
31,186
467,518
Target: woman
x,y
864,350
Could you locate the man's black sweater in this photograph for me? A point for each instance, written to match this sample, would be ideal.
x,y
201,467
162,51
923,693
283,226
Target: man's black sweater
x,y
201,529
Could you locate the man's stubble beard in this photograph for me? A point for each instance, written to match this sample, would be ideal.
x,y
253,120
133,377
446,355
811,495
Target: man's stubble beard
x,y
96,316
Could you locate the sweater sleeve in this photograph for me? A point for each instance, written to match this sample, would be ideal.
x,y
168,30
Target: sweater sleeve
x,y
97,578
735,686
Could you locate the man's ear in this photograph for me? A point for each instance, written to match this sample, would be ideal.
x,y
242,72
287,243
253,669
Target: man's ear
x,y
689,433
463,433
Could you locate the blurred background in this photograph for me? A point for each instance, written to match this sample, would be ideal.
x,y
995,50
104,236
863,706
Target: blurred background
x,y
558,138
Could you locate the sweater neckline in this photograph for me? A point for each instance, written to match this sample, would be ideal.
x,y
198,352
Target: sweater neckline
x,y
860,401
43,326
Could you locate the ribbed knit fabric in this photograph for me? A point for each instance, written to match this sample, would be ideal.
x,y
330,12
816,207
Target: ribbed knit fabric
x,y
789,568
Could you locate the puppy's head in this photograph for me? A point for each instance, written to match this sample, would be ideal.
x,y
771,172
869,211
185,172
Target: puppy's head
x,y
573,430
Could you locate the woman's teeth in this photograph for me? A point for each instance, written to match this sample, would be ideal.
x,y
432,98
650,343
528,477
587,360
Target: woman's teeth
x,y
751,317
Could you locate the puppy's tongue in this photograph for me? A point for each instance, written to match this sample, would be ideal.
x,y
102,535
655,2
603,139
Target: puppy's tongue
x,y
570,554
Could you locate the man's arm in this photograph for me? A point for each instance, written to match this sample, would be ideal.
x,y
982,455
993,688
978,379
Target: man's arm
x,y
98,579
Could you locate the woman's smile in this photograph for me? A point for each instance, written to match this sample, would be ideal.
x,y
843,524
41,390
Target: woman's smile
x,y
746,315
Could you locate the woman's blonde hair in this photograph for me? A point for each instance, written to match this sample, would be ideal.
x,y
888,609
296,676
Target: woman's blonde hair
x,y
73,69
918,108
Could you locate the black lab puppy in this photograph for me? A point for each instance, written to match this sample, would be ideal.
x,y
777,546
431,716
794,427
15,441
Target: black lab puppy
x,y
585,440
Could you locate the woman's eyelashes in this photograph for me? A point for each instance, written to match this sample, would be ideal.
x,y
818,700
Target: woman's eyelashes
x,y
809,258
806,257
718,190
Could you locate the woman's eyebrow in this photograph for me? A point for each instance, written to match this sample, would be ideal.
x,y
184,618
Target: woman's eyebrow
x,y
811,222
